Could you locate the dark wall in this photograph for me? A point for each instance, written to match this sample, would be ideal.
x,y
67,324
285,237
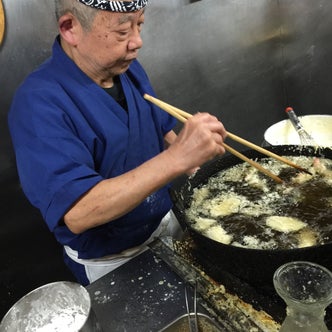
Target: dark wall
x,y
242,60
29,255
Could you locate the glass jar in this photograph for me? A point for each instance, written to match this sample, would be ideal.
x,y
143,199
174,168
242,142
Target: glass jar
x,y
307,290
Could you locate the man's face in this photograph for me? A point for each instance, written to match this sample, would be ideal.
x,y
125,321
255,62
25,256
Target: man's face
x,y
111,44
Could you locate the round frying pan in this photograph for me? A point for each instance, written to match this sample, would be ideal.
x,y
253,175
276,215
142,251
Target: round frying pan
x,y
255,266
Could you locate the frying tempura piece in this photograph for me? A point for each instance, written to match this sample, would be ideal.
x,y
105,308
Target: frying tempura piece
x,y
307,238
285,224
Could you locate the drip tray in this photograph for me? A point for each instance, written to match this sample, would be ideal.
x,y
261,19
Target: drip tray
x,y
181,324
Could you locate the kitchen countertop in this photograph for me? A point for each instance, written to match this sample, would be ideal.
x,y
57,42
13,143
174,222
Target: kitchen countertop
x,y
146,295
141,295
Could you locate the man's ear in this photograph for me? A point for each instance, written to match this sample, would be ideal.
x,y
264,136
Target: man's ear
x,y
70,28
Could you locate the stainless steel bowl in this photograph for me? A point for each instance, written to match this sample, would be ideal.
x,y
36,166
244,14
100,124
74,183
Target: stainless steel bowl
x,y
58,306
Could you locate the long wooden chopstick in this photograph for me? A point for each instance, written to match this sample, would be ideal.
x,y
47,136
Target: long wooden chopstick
x,y
186,115
182,116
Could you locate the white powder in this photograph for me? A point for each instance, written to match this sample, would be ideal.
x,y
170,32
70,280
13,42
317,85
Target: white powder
x,y
56,307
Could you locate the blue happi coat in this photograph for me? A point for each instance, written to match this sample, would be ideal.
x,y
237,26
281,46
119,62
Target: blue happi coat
x,y
69,134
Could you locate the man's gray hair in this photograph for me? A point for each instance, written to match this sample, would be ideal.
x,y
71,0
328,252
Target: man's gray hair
x,y
83,13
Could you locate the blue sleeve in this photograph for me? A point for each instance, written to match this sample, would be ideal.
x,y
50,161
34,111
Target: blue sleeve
x,y
46,145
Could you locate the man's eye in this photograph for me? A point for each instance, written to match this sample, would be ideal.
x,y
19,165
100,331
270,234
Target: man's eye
x,y
140,25
123,33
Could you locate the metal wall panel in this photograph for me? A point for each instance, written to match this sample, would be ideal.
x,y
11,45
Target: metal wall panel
x,y
29,32
233,58
242,60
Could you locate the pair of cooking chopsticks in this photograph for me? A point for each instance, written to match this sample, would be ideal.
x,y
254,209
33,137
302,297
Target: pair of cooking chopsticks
x,y
182,116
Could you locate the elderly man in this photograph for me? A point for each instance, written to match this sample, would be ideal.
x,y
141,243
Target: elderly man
x,y
93,155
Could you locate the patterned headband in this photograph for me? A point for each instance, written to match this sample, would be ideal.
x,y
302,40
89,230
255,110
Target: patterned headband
x,y
116,6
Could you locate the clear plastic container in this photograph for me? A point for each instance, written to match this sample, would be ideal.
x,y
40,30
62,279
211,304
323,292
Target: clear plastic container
x,y
307,290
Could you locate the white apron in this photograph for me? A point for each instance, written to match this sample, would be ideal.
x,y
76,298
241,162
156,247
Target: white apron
x,y
96,268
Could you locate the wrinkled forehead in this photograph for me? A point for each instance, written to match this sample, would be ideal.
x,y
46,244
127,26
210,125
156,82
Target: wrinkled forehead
x,y
116,6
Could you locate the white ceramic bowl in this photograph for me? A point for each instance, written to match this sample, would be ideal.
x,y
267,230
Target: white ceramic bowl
x,y
318,126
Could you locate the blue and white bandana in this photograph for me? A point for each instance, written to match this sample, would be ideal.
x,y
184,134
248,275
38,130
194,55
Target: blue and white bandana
x,y
116,6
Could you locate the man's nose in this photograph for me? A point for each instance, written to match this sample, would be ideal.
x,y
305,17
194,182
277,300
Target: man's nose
x,y
135,41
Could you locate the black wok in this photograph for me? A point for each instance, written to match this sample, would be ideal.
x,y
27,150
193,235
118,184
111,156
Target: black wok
x,y
255,266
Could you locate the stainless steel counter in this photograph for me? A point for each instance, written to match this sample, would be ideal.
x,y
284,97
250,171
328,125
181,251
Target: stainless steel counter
x,y
142,295
146,295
